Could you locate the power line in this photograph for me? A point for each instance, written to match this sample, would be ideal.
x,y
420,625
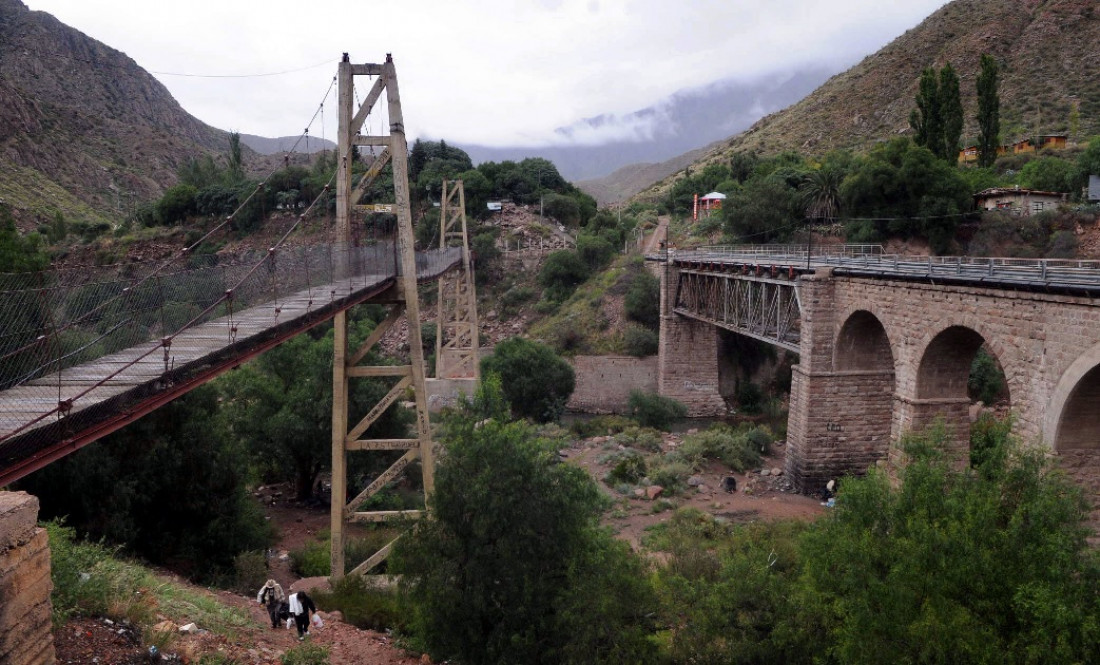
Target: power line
x,y
242,76
129,66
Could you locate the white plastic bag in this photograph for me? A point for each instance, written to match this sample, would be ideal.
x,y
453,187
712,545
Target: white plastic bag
x,y
289,623
317,621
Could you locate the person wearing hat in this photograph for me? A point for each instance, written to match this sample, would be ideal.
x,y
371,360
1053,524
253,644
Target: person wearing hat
x,y
271,595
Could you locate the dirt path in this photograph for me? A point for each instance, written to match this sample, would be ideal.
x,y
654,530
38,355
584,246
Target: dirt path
x,y
659,235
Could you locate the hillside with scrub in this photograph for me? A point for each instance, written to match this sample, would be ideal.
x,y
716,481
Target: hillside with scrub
x,y
1046,50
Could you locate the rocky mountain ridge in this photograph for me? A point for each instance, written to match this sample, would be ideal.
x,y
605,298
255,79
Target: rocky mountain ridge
x,y
1048,53
84,130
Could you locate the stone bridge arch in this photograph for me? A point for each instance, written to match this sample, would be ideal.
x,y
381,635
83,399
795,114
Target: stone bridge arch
x,y
1072,419
862,342
939,374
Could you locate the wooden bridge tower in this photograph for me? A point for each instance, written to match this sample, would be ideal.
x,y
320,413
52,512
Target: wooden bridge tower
x,y
456,341
346,362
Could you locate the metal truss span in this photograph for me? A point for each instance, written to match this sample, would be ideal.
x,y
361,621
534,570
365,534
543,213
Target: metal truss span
x,y
755,304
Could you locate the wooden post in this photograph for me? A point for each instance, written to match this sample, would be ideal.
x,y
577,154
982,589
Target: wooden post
x,y
402,300
339,446
399,148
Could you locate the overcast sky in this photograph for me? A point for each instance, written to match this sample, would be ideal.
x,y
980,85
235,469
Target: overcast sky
x,y
495,72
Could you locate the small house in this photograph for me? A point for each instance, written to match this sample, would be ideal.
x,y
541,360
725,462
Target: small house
x,y
1017,201
712,201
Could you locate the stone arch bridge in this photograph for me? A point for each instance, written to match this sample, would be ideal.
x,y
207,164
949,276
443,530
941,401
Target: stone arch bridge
x,y
885,345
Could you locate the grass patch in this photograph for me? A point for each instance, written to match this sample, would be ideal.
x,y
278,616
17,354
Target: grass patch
x,y
89,579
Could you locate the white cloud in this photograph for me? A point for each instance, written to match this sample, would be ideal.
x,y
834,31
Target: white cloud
x,y
494,72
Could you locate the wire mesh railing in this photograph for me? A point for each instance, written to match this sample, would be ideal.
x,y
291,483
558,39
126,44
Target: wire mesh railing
x,y
69,337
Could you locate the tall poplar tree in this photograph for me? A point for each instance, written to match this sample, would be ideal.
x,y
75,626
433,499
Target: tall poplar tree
x,y
926,119
989,112
951,111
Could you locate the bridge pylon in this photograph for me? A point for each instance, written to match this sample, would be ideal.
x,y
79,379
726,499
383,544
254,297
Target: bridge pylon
x,y
456,340
346,362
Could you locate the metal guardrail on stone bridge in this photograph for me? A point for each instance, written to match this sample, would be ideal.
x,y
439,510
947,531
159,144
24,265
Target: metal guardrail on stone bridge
x,y
753,289
1066,276
83,351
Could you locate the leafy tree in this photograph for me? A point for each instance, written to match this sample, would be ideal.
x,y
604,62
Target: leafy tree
x,y
234,173
653,410
594,250
536,381
19,253
903,189
280,406
643,298
1088,163
927,119
176,205
564,209
732,593
512,567
767,209
562,273
1051,174
989,112
200,172
959,566
170,487
951,113
742,164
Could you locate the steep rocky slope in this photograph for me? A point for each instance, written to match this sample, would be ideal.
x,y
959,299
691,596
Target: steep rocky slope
x,y
83,129
1049,56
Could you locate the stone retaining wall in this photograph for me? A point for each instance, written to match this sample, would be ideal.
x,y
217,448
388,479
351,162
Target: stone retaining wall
x,y
604,382
25,637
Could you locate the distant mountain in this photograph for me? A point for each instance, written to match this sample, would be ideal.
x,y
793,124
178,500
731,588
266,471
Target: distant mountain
x,y
266,146
687,120
1049,56
84,130
633,178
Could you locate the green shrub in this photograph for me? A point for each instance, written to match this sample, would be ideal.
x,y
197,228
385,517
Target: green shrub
x,y
986,382
750,397
987,435
249,571
630,469
536,381
639,341
363,605
314,559
653,410
740,448
642,438
561,274
671,475
75,567
306,654
643,298
177,203
600,426
594,251
516,296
